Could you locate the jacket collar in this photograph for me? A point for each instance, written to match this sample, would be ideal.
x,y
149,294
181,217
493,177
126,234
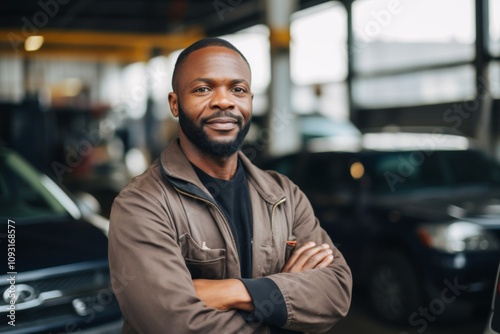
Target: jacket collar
x,y
178,170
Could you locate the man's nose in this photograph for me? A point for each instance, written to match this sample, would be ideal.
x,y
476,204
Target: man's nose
x,y
222,99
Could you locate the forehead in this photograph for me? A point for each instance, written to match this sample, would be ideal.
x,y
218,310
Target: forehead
x,y
214,62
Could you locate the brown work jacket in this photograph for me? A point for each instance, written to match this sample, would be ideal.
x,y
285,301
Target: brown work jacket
x,y
165,222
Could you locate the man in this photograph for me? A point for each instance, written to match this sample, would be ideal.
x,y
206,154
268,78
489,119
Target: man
x,y
204,241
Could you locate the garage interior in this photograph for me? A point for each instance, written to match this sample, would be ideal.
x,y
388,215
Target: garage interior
x,y
84,85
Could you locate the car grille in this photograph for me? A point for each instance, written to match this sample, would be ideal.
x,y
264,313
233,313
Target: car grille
x,y
72,281
66,298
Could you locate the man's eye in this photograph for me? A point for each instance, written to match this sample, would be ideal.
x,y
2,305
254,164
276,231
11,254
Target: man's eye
x,y
201,90
239,90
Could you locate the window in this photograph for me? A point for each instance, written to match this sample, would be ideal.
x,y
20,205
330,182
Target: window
x,y
318,58
327,99
395,34
484,169
135,89
11,80
23,192
317,51
406,171
494,9
423,87
494,76
403,50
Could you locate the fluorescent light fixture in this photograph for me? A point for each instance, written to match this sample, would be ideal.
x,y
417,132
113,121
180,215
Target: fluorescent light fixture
x,y
33,43
414,141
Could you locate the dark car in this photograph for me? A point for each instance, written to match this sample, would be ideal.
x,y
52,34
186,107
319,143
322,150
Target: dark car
x,y
55,276
418,224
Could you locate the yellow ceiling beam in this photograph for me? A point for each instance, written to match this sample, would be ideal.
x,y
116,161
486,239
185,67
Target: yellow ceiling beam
x,y
128,55
66,41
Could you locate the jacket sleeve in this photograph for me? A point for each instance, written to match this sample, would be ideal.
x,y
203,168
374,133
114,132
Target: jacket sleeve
x,y
315,299
149,276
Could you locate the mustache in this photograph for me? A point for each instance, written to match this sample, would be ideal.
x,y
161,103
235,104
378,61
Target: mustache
x,y
222,114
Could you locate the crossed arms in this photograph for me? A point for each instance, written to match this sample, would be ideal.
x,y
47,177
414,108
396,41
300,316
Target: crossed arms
x,y
156,292
232,294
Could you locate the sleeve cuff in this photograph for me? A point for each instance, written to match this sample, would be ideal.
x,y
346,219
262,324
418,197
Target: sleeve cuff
x,y
268,302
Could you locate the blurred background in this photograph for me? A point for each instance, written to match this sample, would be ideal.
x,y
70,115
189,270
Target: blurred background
x,y
385,112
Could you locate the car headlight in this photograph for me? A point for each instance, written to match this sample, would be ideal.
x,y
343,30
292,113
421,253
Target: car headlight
x,y
458,237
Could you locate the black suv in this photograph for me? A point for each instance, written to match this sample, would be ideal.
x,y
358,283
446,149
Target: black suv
x,y
55,275
418,224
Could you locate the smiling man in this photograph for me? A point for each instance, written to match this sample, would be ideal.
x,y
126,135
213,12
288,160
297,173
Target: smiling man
x,y
204,241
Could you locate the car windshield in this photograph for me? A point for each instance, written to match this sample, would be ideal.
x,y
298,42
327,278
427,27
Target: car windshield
x,y
26,193
419,170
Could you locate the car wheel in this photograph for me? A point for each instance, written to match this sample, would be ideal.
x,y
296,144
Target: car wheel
x,y
393,288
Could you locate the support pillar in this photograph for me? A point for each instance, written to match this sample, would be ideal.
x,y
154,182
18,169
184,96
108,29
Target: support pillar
x,y
484,97
281,126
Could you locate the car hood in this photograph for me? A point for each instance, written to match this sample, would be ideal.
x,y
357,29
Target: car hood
x,y
51,244
479,206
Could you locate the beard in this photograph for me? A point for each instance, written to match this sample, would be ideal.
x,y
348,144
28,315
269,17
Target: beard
x,y
199,138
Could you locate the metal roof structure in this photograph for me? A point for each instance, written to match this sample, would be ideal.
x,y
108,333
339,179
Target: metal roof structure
x,y
127,30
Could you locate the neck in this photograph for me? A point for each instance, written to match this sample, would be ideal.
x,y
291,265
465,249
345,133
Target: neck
x,y
219,167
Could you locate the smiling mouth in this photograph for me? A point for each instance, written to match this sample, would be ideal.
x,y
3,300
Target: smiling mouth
x,y
222,124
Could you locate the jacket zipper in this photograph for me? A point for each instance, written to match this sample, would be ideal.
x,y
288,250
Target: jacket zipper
x,y
221,214
272,213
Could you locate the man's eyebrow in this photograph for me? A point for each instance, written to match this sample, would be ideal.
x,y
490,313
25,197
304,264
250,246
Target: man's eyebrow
x,y
237,81
211,81
206,80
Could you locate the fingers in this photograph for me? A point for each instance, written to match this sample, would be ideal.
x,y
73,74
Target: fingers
x,y
314,256
309,256
296,255
325,262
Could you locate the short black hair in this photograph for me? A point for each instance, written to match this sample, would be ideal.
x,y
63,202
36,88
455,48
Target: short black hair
x,y
202,43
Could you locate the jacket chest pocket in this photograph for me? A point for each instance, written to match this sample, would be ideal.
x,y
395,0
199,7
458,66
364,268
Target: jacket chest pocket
x,y
202,261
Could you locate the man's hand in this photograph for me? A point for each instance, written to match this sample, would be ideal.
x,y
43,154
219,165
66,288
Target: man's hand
x,y
309,256
230,294
224,294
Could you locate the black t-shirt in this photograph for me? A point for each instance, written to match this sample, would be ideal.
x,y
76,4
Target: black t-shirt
x,y
233,198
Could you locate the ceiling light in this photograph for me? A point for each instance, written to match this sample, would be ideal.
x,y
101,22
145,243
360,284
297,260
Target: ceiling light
x,y
33,43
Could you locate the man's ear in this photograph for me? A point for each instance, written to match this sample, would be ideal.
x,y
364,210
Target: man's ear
x,y
173,103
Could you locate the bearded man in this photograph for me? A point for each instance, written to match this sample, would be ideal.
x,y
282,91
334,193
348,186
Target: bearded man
x,y
208,242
